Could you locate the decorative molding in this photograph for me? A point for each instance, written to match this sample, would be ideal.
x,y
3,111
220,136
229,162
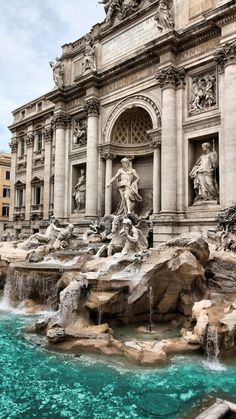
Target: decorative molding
x,y
171,77
92,107
203,124
225,55
78,156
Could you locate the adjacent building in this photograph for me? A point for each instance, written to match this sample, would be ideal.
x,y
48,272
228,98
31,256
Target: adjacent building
x,y
5,190
155,83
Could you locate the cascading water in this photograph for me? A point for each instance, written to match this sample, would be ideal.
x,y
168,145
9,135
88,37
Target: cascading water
x,y
212,349
39,286
150,309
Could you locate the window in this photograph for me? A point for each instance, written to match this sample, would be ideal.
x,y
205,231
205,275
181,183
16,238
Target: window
x,y
40,141
22,147
6,192
37,195
5,210
8,175
20,197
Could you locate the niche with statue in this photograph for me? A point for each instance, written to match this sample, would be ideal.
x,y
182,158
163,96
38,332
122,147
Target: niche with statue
x,y
204,170
79,188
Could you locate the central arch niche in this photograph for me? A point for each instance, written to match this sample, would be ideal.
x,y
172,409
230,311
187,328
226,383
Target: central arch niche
x,y
131,127
130,133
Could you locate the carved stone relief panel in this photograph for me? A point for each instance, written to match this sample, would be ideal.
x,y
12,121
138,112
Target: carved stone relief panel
x,y
79,133
202,92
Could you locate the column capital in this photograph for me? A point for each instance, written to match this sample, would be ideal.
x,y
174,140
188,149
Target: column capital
x,y
29,139
108,156
156,143
47,134
225,55
13,145
61,120
171,77
92,107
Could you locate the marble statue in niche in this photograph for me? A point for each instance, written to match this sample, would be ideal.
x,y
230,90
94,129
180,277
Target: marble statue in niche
x,y
89,62
127,181
203,93
163,17
79,137
203,175
58,72
80,192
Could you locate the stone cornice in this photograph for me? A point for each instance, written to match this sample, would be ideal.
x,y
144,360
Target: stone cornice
x,y
109,149
200,124
92,107
225,55
170,77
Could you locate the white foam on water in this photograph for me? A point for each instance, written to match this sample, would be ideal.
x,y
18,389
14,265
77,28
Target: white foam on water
x,y
52,261
214,365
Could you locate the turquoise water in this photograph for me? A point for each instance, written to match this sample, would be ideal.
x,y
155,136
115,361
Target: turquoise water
x,y
37,383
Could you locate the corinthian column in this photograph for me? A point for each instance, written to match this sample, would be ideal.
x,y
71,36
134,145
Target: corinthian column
x,y
61,120
92,109
168,80
13,146
226,59
108,191
29,159
156,145
47,137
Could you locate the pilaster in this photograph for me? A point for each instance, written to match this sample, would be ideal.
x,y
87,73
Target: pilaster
x,y
60,122
169,79
225,57
47,138
29,158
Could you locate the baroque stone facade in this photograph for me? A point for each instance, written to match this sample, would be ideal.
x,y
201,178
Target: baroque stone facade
x,y
153,84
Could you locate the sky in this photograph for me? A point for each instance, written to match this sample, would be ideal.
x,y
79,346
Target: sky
x,y
31,34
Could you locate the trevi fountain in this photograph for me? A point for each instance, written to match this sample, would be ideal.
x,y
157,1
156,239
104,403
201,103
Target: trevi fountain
x,y
118,289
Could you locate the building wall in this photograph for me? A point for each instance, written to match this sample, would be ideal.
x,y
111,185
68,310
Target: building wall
x,y
5,185
159,73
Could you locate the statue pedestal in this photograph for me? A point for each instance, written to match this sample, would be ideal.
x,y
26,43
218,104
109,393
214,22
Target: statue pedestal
x,y
205,203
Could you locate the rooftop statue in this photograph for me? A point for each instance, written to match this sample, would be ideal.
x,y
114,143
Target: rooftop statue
x,y
119,8
111,8
163,17
89,54
203,174
127,181
58,72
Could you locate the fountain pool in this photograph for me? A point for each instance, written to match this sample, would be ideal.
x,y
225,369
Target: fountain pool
x,y
38,383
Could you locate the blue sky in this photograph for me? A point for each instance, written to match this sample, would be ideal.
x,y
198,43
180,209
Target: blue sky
x,y
31,35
